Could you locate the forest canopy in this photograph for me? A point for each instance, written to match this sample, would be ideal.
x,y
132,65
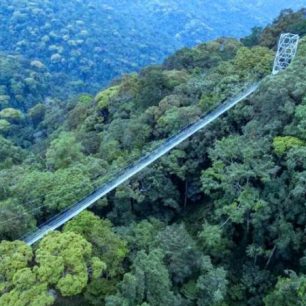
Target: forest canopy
x,y
219,221
86,44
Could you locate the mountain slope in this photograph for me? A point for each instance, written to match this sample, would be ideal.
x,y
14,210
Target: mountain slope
x,y
95,41
220,220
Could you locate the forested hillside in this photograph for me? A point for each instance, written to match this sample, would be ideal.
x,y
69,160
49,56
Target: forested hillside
x,y
94,41
220,221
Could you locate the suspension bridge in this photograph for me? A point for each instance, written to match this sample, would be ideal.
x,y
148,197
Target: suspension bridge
x,y
286,52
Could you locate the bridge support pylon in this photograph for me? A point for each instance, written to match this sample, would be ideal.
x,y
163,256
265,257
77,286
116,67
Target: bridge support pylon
x,y
286,51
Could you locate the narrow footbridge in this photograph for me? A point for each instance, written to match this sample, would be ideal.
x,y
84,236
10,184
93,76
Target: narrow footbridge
x,y
287,48
135,168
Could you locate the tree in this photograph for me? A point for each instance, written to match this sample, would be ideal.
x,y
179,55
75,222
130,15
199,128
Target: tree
x,y
63,151
107,246
237,164
147,282
182,256
212,240
142,235
15,220
286,21
14,256
103,98
37,113
153,87
204,56
9,153
290,291
5,126
257,60
52,191
27,291
11,114
61,262
67,186
176,118
282,144
18,284
209,288
300,123
253,39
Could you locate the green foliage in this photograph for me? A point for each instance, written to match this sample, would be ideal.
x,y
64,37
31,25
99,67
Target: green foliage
x,y
63,151
286,22
258,60
177,117
282,144
154,85
102,99
148,282
14,256
181,254
208,101
299,28
19,285
9,153
204,56
61,261
237,165
211,240
85,99
107,245
214,222
4,126
27,294
253,39
37,113
79,49
11,114
288,292
4,101
21,85
55,190
211,285
300,116
142,235
22,220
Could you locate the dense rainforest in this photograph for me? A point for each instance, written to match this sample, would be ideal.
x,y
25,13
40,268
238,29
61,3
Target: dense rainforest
x,y
219,221
86,43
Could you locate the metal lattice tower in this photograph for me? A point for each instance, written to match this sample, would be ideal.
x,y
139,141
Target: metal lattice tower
x,y
287,47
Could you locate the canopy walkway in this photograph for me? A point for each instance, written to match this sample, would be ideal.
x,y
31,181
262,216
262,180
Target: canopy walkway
x,y
286,51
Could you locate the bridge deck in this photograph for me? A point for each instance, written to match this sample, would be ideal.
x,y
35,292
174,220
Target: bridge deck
x,y
135,168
